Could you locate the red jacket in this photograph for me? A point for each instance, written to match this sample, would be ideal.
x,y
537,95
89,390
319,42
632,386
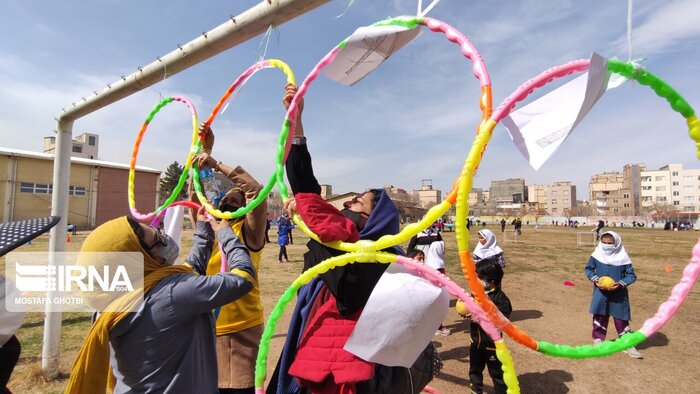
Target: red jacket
x,y
321,363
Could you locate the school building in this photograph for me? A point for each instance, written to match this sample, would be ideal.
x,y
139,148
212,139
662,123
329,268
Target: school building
x,y
97,192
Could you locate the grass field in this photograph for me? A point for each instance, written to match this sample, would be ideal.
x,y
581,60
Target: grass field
x,y
538,264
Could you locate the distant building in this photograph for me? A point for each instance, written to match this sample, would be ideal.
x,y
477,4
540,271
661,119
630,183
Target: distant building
x,y
97,191
509,191
609,195
632,175
408,205
561,198
671,186
537,194
85,145
427,196
326,191
476,196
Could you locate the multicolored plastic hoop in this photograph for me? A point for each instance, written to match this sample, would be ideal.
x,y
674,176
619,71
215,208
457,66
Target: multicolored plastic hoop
x,y
690,273
135,153
270,63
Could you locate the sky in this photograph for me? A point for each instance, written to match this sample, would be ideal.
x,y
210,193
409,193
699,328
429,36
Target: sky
x,y
414,118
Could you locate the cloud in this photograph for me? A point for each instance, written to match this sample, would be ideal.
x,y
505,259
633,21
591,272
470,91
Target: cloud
x,y
666,28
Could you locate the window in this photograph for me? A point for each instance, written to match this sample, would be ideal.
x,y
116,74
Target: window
x,y
91,140
688,198
674,183
661,188
554,210
554,192
660,199
646,179
42,188
674,173
616,210
626,205
616,201
626,195
660,178
646,187
38,188
554,202
567,202
689,208
646,198
676,193
76,191
565,193
25,187
688,188
676,203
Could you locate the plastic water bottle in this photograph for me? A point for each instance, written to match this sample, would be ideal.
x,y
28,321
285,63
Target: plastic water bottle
x,y
211,191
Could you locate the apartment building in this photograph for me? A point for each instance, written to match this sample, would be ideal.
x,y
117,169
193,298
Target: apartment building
x,y
561,198
672,186
85,145
509,191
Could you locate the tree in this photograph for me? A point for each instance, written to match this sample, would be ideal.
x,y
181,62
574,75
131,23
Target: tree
x,y
169,181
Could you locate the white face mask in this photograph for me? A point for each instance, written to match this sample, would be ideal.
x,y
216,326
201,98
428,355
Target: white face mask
x,y
608,248
169,252
484,283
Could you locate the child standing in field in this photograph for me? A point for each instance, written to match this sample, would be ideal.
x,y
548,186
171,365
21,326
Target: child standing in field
x,y
284,230
610,259
487,247
482,352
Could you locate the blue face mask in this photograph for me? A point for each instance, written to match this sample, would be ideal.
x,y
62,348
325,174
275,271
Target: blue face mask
x,y
608,247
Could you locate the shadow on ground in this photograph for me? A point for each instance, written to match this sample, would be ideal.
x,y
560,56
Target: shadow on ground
x,y
553,381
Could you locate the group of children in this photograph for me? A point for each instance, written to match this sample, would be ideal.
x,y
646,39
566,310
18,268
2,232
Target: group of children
x,y
608,259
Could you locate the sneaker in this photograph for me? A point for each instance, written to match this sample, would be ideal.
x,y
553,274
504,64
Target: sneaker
x,y
597,342
443,332
633,352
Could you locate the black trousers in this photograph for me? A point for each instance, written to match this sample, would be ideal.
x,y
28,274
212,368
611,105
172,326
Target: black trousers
x,y
9,354
478,359
283,252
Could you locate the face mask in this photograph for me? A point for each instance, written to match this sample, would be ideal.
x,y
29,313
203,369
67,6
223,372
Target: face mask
x,y
359,219
169,252
486,284
608,247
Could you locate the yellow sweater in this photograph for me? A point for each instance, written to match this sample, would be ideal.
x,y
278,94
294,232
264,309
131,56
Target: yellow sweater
x,y
247,311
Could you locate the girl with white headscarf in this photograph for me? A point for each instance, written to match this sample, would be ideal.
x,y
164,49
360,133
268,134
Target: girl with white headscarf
x,y
611,259
487,248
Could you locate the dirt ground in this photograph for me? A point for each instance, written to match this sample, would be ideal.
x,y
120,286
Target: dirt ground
x,y
538,264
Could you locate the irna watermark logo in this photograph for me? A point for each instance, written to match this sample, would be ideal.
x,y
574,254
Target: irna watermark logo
x,y
74,281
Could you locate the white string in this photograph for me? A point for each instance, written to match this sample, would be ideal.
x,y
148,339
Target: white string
x,y
428,8
266,40
420,7
629,29
347,8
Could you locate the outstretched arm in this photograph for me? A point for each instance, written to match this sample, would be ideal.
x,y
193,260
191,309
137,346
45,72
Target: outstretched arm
x,y
300,172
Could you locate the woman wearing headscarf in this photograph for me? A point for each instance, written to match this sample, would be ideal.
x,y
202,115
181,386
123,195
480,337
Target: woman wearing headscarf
x,y
313,358
487,247
610,259
165,342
